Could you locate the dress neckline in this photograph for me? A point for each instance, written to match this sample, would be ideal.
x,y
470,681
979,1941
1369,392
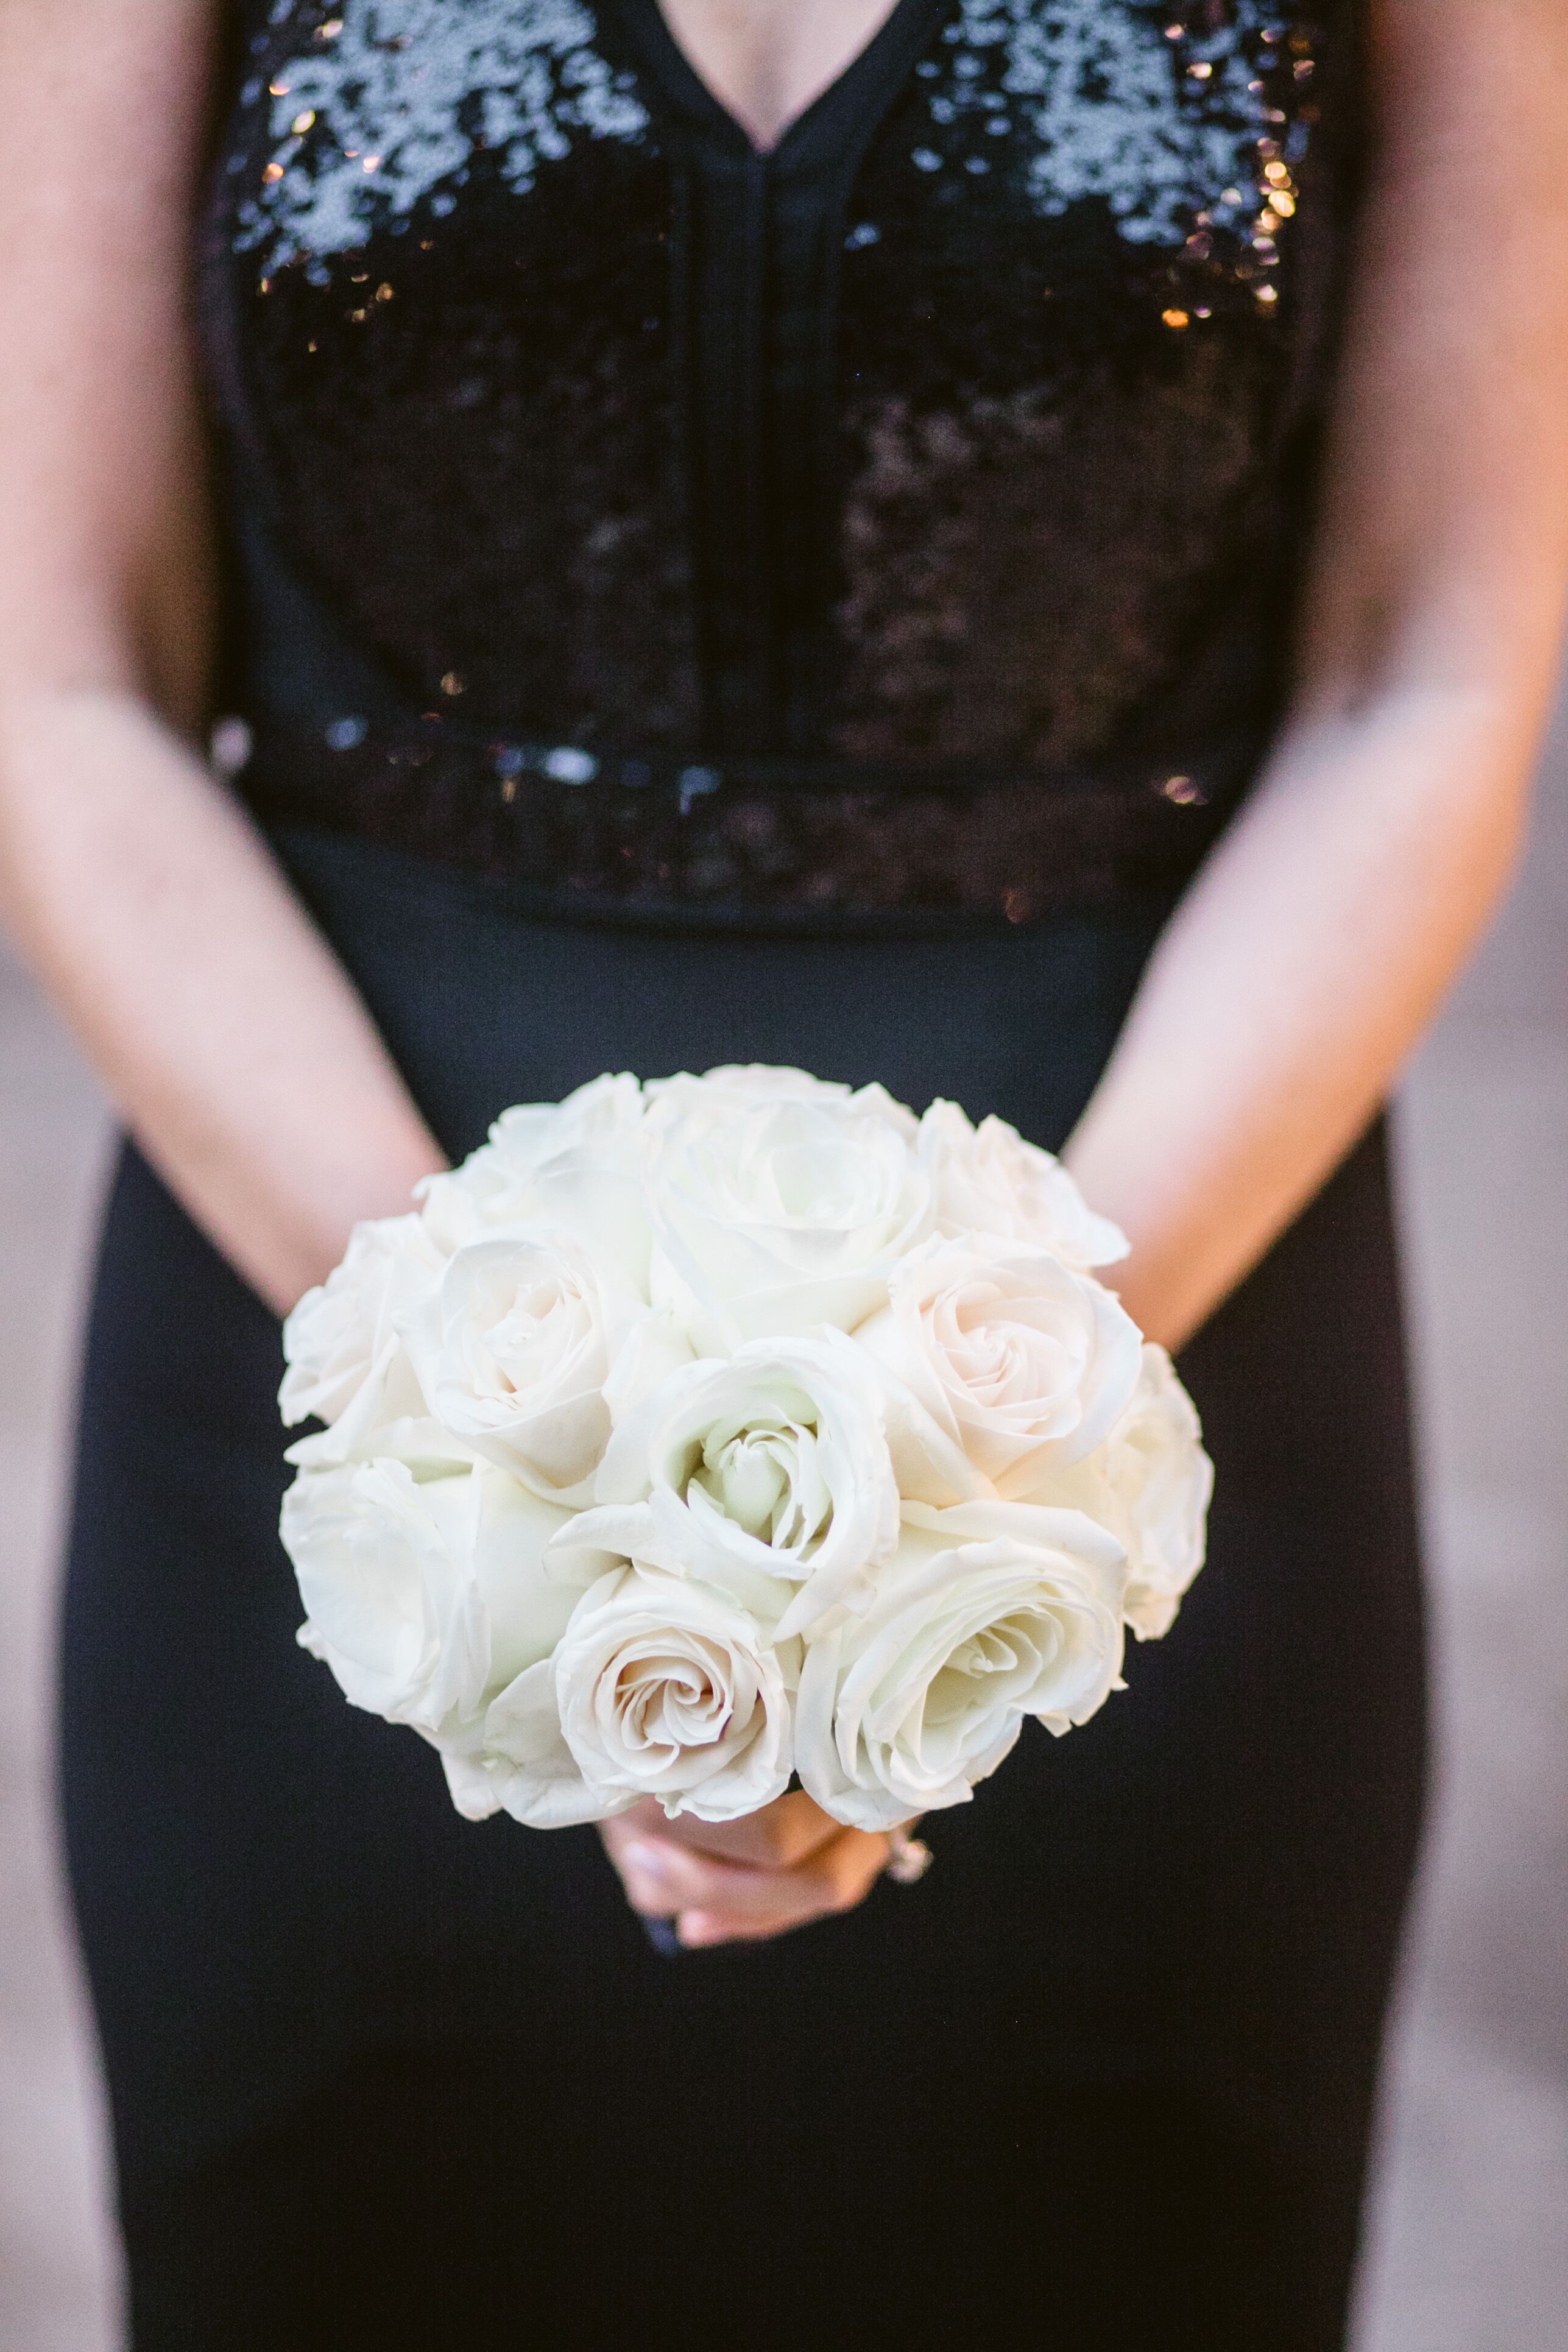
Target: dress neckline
x,y
864,87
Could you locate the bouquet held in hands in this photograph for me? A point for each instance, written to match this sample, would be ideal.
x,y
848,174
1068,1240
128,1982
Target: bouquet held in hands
x,y
696,1434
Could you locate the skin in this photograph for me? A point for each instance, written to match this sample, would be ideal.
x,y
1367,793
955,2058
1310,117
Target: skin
x,y
767,59
1290,984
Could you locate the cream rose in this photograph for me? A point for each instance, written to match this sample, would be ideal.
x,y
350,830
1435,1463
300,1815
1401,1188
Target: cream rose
x,y
573,1166
1156,1485
778,1082
346,1362
528,1347
424,1599
1002,1359
521,1764
770,1466
988,1613
382,1566
666,1689
777,1209
987,1179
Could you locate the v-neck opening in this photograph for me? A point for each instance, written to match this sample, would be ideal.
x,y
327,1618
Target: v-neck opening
x,y
866,85
756,235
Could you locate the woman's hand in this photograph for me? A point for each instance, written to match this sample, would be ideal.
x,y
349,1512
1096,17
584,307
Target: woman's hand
x,y
736,1881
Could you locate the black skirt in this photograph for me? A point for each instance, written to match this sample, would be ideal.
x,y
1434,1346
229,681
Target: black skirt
x,y
381,2076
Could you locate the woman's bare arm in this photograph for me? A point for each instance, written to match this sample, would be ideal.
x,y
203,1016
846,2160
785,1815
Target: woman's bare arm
x,y
232,1041
1316,943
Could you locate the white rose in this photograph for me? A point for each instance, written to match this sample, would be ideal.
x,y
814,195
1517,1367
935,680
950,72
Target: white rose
x,y
987,1179
771,1466
424,1599
527,1349
778,1082
776,1209
522,1764
1010,1359
1159,1482
513,1758
667,1689
989,1613
572,1165
346,1362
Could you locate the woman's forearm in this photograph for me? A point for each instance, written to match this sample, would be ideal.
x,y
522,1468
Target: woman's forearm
x,y
230,1038
1292,984
232,1042
1305,960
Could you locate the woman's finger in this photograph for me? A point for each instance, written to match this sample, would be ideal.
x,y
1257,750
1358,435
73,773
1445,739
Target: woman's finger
x,y
663,1878
666,1880
699,1929
847,1876
775,1838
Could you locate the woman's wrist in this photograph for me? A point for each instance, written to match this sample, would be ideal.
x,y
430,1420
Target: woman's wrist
x,y
284,1227
382,1187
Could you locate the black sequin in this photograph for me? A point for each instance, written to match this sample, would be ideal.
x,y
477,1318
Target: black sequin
x,y
960,446
457,391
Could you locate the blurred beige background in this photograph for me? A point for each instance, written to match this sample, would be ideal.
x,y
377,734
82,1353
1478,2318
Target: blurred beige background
x,y
1468,2244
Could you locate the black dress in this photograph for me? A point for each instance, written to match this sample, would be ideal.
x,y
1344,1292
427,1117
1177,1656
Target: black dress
x,y
691,607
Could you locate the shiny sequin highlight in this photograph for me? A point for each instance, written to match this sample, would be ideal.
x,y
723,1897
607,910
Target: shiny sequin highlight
x,y
1161,120
387,104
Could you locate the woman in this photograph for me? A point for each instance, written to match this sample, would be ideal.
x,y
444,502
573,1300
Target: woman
x,y
785,530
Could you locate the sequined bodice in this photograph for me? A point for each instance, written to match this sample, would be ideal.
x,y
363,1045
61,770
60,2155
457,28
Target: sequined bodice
x,y
650,517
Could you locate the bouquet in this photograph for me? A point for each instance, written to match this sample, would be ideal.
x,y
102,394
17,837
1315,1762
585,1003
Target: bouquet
x,y
698,1434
